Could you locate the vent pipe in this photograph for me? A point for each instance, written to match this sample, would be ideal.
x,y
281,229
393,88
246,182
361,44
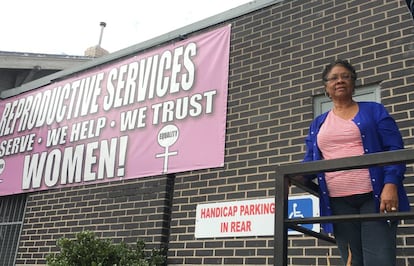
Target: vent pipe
x,y
103,25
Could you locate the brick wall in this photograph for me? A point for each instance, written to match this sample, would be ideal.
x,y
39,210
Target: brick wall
x,y
122,211
277,56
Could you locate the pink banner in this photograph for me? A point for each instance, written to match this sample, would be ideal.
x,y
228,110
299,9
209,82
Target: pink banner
x,y
163,111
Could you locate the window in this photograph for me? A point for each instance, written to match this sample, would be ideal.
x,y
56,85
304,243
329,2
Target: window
x,y
11,222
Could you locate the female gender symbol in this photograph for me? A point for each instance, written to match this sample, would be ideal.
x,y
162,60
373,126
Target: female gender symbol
x,y
167,136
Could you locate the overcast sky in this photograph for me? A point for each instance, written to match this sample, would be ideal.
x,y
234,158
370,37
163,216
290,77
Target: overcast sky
x,y
70,27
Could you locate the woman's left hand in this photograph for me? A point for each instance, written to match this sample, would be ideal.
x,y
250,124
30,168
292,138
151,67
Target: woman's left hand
x,y
389,198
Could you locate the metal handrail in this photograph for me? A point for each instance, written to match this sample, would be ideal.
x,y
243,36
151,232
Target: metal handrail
x,y
292,174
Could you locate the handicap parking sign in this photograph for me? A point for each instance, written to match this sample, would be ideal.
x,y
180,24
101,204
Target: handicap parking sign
x,y
303,207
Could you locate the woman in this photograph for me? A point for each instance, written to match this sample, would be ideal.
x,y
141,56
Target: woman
x,y
349,129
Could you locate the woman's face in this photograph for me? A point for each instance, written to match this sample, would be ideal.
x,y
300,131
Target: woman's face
x,y
339,83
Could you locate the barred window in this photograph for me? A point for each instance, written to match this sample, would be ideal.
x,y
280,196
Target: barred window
x,y
11,222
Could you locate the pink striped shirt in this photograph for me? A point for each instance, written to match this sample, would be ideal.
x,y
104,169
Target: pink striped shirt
x,y
340,138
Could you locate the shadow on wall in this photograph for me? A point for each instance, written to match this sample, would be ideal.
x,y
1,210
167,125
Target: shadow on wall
x,y
410,4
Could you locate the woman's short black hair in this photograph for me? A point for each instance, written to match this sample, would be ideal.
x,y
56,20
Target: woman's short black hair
x,y
343,63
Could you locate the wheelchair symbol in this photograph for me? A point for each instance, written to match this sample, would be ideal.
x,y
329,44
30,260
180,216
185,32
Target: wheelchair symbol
x,y
295,213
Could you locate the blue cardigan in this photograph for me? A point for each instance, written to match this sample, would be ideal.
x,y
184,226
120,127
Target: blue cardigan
x,y
379,132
